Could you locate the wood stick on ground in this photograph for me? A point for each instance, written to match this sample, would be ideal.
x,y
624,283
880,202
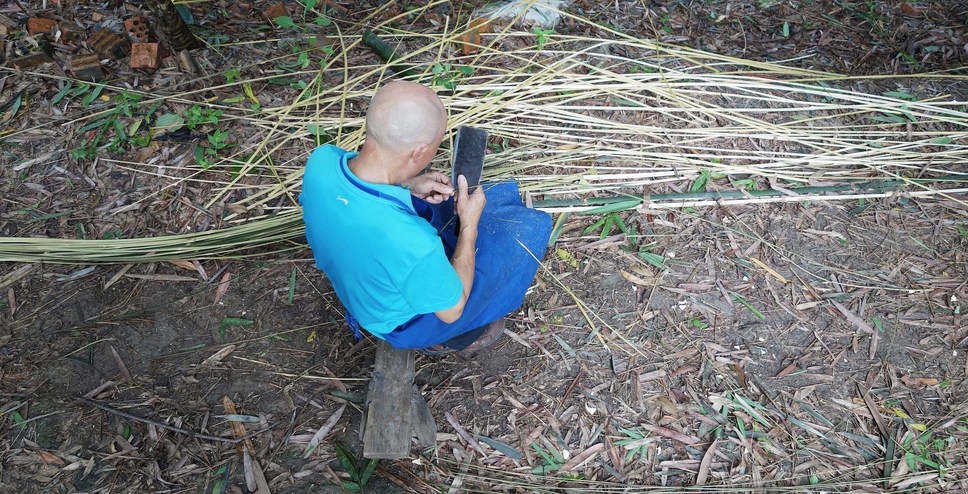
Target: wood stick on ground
x,y
161,425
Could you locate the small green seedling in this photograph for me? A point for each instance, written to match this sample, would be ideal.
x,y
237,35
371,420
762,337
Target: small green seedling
x,y
553,461
122,124
900,95
542,36
207,153
196,116
447,76
697,323
666,22
360,472
705,176
746,183
607,224
637,443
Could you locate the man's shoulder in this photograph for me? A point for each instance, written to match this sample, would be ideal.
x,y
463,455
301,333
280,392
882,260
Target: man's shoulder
x,y
318,177
327,154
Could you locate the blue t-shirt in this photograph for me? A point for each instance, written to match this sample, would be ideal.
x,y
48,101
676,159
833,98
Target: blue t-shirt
x,y
386,264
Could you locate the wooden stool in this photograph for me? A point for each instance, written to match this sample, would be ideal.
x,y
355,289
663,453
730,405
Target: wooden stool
x,y
395,410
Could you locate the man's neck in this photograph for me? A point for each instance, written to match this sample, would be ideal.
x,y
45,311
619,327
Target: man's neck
x,y
372,166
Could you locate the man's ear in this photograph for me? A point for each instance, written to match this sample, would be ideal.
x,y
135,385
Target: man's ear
x,y
418,151
417,154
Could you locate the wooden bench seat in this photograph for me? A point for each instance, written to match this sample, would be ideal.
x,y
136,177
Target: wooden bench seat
x,y
395,410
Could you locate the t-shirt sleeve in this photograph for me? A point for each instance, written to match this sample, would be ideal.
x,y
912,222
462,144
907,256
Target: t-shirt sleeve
x,y
432,284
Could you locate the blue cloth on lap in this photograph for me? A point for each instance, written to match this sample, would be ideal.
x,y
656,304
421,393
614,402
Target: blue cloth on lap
x,y
510,240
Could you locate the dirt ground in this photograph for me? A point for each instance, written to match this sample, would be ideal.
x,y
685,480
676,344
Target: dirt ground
x,y
779,345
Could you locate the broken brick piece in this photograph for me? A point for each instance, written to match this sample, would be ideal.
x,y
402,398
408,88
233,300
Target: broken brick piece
x,y
109,44
185,62
40,25
481,24
71,32
146,56
139,30
911,10
87,67
277,10
470,40
29,52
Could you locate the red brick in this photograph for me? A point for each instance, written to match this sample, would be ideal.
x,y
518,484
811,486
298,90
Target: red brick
x,y
87,67
139,29
39,25
71,32
146,56
109,44
277,10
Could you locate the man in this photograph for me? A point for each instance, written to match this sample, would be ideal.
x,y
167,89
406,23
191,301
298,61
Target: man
x,y
388,239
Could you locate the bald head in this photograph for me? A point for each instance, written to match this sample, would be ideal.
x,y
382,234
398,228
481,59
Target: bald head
x,y
404,115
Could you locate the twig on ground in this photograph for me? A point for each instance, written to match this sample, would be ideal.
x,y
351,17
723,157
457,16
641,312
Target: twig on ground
x,y
162,425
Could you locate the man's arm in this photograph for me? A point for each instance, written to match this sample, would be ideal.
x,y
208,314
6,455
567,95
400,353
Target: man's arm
x,y
469,207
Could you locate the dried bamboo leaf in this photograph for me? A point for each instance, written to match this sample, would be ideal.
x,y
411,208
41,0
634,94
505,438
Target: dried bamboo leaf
x,y
707,459
323,431
671,434
860,323
15,275
875,414
582,457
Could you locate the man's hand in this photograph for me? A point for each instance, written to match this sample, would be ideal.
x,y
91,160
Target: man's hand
x,y
434,188
469,206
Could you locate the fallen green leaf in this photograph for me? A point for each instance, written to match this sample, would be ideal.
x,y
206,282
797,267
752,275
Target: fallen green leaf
x,y
232,321
618,206
19,419
284,21
169,122
504,448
